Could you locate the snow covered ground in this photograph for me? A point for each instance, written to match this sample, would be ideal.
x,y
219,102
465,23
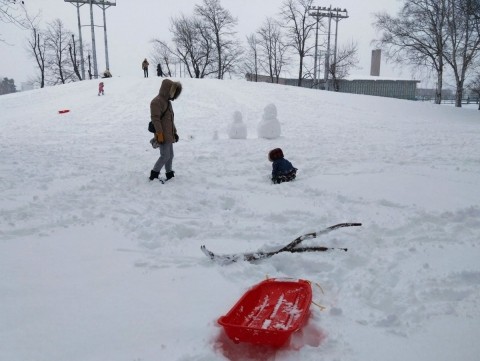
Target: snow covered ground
x,y
97,263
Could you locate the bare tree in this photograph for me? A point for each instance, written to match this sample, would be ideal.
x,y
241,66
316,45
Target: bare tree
x,y
299,27
463,41
232,59
345,61
220,24
10,12
89,60
251,62
417,36
37,48
193,46
272,49
72,50
162,54
474,87
59,65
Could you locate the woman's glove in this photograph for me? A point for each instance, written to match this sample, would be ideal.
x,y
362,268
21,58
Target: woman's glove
x,y
159,137
176,137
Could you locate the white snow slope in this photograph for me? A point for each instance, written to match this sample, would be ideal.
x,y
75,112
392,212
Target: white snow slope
x,y
97,263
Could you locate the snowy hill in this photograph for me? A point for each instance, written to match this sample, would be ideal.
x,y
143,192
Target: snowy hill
x,y
97,263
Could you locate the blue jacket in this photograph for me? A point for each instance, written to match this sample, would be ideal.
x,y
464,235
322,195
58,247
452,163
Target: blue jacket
x,y
281,167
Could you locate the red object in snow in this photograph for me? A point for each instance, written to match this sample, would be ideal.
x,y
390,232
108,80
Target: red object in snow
x,y
63,111
269,312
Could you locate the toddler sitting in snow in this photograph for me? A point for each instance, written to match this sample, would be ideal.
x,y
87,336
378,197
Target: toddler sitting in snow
x,y
283,170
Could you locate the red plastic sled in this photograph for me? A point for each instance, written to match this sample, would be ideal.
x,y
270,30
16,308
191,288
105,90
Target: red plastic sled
x,y
63,111
269,312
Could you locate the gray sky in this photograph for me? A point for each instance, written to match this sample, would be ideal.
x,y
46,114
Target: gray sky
x,y
132,24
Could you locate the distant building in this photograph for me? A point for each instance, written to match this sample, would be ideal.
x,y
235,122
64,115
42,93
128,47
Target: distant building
x,y
391,88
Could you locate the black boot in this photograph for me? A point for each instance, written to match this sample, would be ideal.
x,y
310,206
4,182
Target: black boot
x,y
170,174
153,175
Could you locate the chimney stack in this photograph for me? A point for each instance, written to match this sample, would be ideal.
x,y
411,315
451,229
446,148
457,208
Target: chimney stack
x,y
375,66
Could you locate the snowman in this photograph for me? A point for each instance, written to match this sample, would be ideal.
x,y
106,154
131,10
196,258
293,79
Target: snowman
x,y
237,129
269,126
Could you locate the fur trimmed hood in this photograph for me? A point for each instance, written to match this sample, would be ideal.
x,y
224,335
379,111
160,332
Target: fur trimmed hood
x,y
170,90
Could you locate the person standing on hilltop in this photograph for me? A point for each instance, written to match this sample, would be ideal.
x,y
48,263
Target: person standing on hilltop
x,y
145,65
159,70
107,74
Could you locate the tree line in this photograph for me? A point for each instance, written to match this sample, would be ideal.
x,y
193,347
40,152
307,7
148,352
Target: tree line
x,y
206,44
7,86
438,35
54,50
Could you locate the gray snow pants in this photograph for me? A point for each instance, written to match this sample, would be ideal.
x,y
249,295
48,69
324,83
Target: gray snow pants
x,y
166,158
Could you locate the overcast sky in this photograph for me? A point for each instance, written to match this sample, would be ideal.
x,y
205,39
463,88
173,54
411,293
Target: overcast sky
x,y
132,24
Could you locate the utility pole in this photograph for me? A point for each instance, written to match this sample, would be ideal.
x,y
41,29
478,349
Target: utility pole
x,y
316,55
94,46
82,60
337,18
327,55
104,4
320,12
317,12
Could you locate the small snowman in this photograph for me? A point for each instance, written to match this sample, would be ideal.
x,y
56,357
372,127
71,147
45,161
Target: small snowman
x,y
269,126
237,129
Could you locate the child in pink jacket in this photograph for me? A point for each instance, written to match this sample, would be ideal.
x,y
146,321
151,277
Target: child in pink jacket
x,y
100,88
